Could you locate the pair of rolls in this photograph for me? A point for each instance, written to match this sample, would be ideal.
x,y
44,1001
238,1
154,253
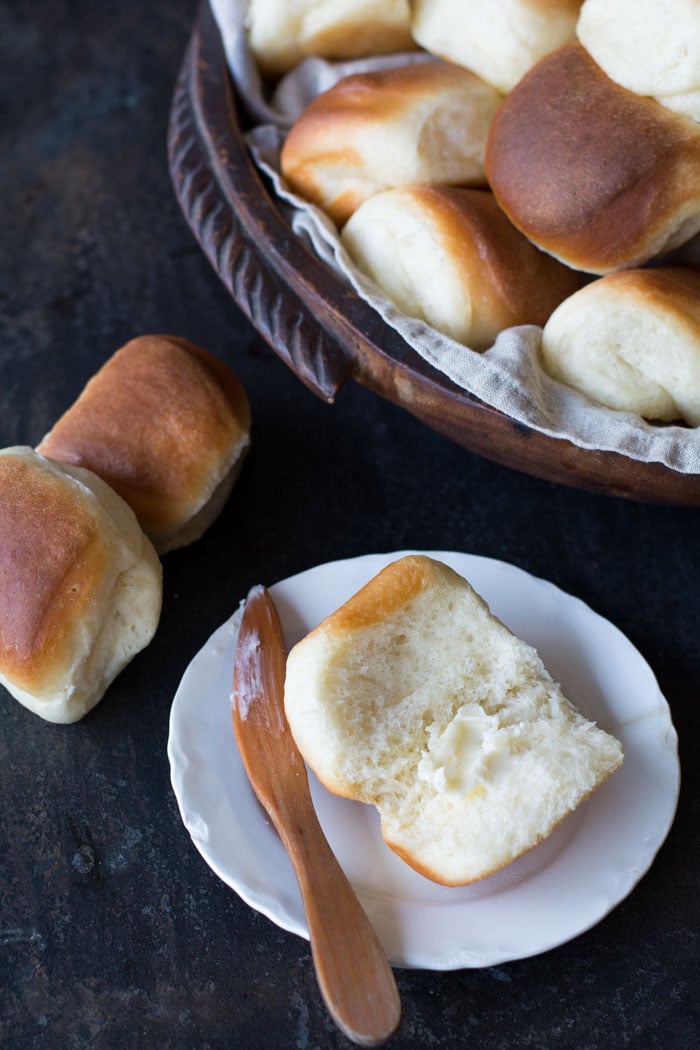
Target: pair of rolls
x,y
387,156
650,48
148,452
499,41
606,181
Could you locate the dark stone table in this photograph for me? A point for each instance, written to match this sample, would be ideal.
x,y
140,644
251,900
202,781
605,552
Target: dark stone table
x,y
114,933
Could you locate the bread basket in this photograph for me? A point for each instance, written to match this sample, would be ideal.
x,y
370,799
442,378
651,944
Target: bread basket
x,y
318,325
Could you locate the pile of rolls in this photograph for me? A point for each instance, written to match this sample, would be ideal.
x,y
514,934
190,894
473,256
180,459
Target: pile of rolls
x,y
530,163
140,464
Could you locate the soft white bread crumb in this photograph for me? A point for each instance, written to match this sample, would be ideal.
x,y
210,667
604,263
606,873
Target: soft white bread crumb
x,y
414,697
651,47
81,585
416,125
631,341
500,40
283,32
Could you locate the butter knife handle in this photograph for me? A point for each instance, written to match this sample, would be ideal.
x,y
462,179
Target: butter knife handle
x,y
354,975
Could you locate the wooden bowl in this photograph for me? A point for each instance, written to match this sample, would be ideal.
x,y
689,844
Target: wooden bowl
x,y
318,325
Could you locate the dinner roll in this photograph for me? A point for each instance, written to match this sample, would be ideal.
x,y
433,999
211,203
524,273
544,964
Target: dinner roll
x,y
649,47
452,258
601,178
631,341
500,40
81,585
167,425
412,696
420,124
282,33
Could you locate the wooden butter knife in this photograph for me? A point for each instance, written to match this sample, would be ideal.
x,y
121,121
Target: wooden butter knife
x,y
353,973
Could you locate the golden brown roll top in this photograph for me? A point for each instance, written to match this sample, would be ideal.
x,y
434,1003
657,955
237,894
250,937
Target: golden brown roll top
x,y
631,341
452,258
499,40
80,585
590,172
281,34
420,124
167,425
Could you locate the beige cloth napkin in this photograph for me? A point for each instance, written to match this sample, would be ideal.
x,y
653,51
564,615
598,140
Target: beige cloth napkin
x,y
509,375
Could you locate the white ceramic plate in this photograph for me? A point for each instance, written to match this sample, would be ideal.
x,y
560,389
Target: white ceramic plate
x,y
556,891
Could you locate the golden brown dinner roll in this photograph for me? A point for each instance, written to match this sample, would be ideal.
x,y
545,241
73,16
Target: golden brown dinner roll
x,y
81,585
452,258
631,341
281,33
598,176
500,40
167,425
648,47
412,696
420,124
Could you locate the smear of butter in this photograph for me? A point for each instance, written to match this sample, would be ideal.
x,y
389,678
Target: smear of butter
x,y
465,755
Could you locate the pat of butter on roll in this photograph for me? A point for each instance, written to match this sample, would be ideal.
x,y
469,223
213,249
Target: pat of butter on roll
x,y
465,755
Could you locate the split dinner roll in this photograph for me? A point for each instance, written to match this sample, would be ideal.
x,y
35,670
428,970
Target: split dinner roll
x,y
412,696
597,176
500,40
81,585
453,259
420,124
631,341
167,425
283,32
649,47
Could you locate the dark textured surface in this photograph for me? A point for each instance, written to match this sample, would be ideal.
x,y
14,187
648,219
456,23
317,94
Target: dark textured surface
x,y
113,931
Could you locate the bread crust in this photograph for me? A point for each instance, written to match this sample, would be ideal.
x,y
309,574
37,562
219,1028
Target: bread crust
x,y
673,289
439,877
631,341
377,130
52,557
499,279
281,34
162,422
381,597
80,585
597,176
